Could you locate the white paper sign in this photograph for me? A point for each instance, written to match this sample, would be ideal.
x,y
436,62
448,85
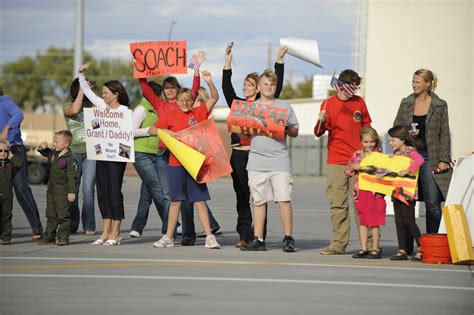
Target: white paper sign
x,y
304,49
461,191
109,135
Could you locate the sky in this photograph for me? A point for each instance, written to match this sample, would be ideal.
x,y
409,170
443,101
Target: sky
x,y
30,26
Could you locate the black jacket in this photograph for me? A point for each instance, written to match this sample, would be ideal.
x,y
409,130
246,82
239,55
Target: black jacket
x,y
8,169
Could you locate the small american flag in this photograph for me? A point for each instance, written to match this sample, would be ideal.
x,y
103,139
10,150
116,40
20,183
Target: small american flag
x,y
381,172
343,86
194,63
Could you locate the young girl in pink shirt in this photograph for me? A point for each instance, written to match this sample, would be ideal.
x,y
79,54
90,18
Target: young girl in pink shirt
x,y
404,203
370,206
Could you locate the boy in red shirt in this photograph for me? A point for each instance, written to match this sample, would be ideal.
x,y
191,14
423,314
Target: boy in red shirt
x,y
343,116
183,188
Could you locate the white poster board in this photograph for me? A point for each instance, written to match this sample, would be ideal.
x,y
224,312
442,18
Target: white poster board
x,y
390,211
109,135
461,191
304,49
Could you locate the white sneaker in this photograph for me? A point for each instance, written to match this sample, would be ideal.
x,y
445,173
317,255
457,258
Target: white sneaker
x,y
135,234
211,242
164,242
179,230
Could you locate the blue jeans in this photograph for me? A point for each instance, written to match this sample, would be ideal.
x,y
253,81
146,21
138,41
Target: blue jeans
x,y
432,196
23,191
86,170
151,189
187,208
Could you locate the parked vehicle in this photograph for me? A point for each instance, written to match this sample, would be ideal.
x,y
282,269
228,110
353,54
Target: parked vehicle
x,y
38,166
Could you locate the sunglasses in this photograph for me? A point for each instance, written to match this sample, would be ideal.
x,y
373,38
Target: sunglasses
x,y
6,151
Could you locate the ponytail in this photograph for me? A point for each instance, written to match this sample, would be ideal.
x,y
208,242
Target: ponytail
x,y
429,77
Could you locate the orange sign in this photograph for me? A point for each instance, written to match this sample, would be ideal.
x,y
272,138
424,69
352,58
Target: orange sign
x,y
204,137
257,119
158,58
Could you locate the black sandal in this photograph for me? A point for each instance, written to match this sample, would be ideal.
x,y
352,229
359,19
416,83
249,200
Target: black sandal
x,y
374,254
400,256
361,254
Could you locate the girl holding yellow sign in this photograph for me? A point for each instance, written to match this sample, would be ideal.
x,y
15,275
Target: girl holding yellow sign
x,y
403,203
370,206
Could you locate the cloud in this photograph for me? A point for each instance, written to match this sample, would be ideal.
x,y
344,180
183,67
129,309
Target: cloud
x,y
109,48
208,24
26,27
206,9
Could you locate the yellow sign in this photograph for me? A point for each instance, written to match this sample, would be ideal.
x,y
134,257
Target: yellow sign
x,y
459,238
386,184
191,159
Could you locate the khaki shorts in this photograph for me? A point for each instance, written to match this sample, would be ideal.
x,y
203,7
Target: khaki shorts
x,y
270,186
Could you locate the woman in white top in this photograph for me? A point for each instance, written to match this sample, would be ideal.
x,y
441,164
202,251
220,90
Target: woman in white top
x,y
109,174
147,166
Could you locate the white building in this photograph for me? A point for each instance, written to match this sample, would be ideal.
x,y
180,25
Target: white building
x,y
403,36
392,39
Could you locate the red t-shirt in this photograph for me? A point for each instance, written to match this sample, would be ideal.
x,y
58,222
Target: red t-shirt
x,y
344,121
178,120
161,106
246,142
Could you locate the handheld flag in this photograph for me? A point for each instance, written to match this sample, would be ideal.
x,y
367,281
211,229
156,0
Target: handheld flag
x,y
381,172
343,86
194,63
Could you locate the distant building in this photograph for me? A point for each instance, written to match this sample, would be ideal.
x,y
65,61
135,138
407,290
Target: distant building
x,y
320,86
308,153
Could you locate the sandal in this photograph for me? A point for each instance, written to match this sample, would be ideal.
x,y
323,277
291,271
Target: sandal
x,y
98,242
401,255
36,236
417,257
374,254
113,242
361,254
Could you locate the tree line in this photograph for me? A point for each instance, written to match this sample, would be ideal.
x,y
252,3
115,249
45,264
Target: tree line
x,y
34,81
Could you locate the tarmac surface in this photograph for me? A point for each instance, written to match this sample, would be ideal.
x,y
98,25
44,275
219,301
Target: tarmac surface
x,y
136,278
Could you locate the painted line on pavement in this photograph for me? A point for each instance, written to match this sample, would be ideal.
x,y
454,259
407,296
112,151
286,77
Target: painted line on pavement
x,y
223,279
133,261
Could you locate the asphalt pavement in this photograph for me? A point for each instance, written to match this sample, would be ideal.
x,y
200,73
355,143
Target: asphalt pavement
x,y
136,278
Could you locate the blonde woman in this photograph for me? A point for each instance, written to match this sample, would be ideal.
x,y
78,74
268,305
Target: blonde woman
x,y
428,114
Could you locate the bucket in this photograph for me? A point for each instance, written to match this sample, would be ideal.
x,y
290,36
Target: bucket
x,y
435,249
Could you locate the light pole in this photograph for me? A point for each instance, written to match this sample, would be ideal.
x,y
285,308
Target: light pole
x,y
79,43
171,29
269,55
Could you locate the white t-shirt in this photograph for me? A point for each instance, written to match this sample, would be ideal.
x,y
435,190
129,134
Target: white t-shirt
x,y
97,101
